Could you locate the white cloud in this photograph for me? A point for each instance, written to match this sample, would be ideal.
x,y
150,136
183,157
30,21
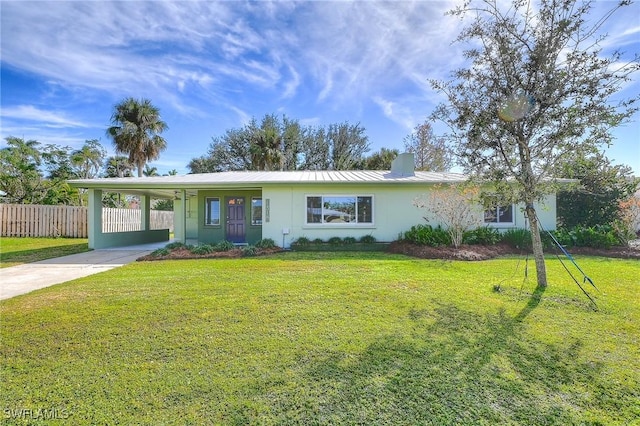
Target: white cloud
x,y
344,49
217,63
292,84
46,118
396,112
243,116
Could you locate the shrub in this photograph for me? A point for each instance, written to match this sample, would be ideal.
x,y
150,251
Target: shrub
x,y
335,241
427,235
518,238
301,242
484,235
175,245
318,241
203,249
161,252
224,246
349,240
266,243
601,236
368,239
249,251
624,232
456,206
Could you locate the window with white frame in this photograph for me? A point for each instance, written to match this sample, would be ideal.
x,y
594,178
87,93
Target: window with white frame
x,y
339,209
256,211
212,213
499,215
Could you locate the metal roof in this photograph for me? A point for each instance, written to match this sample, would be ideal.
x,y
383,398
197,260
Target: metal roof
x,y
165,186
270,177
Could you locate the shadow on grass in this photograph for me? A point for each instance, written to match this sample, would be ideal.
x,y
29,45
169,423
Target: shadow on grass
x,y
533,303
457,368
34,255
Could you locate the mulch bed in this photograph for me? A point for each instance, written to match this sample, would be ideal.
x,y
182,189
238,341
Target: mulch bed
x,y
183,253
465,252
479,252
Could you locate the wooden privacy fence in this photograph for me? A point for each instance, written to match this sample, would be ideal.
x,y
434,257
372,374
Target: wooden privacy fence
x,y
123,220
28,220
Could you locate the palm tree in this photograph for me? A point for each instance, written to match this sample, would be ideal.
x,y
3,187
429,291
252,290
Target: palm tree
x,y
135,130
266,144
118,166
87,162
150,171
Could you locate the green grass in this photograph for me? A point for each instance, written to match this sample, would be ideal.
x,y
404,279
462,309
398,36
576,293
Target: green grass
x,y
15,251
327,338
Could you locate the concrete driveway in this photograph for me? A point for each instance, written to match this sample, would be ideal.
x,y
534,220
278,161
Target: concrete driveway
x,y
25,278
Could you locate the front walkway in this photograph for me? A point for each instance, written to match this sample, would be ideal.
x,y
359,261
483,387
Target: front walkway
x,y
28,277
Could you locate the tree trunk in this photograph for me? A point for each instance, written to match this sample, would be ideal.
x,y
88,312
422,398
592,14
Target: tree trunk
x,y
536,243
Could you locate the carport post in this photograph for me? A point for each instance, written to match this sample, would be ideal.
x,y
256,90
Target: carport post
x,y
94,219
145,212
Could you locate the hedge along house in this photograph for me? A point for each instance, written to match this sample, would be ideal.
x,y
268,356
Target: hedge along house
x,y
245,207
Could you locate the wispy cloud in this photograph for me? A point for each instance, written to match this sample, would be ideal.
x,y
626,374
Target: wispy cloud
x,y
397,113
47,118
214,65
344,50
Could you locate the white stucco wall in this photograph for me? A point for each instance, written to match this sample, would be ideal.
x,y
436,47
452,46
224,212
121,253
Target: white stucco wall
x,y
284,208
191,220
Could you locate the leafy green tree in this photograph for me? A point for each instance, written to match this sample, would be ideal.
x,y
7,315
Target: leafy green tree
x,y
88,160
292,136
118,166
602,188
315,149
136,128
431,153
230,152
87,163
163,205
380,160
348,145
58,164
282,144
537,88
21,181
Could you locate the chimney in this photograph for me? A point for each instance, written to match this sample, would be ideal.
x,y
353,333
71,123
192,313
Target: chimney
x,y
403,165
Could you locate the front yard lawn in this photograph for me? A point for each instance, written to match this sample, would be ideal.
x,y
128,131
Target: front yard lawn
x,y
15,251
326,338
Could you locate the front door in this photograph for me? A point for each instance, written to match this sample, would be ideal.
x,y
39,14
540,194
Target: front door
x,y
235,220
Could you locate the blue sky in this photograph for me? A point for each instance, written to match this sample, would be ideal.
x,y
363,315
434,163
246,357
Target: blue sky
x,y
211,66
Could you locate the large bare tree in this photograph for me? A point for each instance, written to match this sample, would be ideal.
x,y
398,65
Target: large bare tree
x,y
431,153
538,87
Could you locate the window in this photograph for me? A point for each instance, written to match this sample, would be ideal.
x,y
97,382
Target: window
x,y
499,214
212,214
339,209
256,211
